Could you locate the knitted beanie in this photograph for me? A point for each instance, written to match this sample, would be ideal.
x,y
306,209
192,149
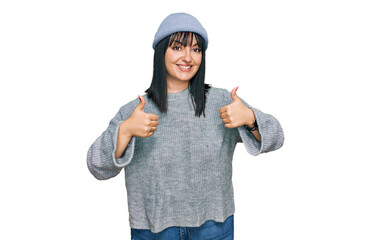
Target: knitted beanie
x,y
179,22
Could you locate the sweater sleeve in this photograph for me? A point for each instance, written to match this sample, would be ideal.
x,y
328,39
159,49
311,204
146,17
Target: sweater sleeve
x,y
101,159
272,136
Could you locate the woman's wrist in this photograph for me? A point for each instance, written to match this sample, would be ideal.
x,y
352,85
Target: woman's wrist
x,y
124,131
252,127
250,118
250,124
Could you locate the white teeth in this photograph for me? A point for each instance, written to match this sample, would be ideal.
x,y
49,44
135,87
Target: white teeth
x,y
184,67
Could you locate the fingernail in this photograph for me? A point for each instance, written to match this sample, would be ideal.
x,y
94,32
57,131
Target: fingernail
x,y
139,98
236,88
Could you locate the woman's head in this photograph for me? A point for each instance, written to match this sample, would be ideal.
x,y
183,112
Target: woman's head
x,y
183,42
179,56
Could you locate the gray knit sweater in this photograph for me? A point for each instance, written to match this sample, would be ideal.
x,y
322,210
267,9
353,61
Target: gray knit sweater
x,y
181,175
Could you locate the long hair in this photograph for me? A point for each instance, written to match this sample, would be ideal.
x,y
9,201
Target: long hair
x,y
197,87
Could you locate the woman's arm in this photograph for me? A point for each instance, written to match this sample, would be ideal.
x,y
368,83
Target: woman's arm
x,y
271,136
250,121
236,113
103,159
256,134
123,140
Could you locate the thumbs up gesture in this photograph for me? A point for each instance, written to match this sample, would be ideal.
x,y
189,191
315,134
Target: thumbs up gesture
x,y
140,123
236,114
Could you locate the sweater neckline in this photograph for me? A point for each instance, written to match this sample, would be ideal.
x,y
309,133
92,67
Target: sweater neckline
x,y
179,95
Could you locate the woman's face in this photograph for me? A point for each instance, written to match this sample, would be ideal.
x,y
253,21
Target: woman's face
x,y
182,62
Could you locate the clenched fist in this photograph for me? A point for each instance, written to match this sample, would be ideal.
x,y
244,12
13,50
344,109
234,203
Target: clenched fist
x,y
236,114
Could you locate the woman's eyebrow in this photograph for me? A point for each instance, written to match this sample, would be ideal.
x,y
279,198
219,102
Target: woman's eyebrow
x,y
176,41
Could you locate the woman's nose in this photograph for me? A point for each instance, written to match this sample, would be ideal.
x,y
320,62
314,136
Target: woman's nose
x,y
187,55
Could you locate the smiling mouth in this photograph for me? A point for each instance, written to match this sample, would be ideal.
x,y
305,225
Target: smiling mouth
x,y
184,67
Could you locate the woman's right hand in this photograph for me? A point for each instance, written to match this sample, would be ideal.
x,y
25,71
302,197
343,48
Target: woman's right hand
x,y
139,123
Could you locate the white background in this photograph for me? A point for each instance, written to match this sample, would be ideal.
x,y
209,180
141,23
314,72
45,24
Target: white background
x,y
66,67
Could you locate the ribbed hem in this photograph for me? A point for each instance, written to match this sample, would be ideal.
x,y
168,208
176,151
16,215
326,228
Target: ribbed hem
x,y
198,223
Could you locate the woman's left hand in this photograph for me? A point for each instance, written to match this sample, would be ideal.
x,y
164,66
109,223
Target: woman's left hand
x,y
236,114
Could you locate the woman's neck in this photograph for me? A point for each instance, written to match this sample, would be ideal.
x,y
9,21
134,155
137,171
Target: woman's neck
x,y
176,87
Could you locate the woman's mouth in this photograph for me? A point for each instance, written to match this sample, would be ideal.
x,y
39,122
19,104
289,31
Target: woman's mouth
x,y
185,68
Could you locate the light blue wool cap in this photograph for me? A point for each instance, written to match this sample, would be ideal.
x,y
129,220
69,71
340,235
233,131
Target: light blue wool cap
x,y
179,22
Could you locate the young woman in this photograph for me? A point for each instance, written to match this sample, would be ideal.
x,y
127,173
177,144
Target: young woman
x,y
176,145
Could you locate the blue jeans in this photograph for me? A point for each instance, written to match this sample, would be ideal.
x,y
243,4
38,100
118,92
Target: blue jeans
x,y
210,230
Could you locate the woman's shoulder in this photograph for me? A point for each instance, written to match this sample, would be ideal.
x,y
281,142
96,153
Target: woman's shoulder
x,y
218,92
128,107
218,89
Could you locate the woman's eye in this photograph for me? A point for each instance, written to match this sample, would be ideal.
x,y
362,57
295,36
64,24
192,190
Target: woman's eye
x,y
197,50
176,47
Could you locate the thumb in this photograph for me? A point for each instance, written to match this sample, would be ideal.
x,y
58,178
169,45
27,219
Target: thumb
x,y
141,103
234,95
